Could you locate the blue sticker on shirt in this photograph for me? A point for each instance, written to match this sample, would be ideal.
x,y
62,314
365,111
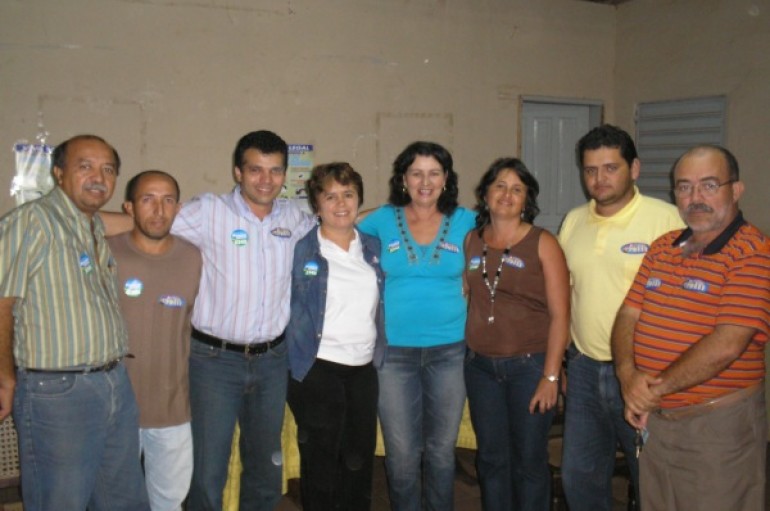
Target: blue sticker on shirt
x,y
310,269
635,248
239,237
133,287
474,263
449,247
85,263
513,262
695,285
394,245
281,232
653,283
172,301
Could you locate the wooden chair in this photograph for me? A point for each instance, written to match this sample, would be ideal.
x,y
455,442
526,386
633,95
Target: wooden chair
x,y
9,454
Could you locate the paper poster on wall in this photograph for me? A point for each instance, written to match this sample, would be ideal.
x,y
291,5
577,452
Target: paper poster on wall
x,y
298,171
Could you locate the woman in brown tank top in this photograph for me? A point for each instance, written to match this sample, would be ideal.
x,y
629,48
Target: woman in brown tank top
x,y
517,330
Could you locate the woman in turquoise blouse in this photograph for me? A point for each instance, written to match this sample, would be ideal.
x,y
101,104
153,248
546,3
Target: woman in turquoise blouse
x,y
422,392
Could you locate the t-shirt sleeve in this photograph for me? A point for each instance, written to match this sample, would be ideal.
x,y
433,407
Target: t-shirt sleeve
x,y
371,223
746,294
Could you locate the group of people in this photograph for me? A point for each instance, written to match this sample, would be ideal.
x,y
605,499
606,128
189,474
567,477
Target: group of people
x,y
398,314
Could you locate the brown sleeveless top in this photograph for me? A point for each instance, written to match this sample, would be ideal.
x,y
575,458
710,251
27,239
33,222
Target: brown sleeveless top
x,y
521,309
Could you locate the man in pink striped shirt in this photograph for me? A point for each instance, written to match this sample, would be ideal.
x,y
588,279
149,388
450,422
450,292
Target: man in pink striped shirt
x,y
238,364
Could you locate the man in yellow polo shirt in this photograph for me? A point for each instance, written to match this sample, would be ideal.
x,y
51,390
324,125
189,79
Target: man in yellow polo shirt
x,y
604,241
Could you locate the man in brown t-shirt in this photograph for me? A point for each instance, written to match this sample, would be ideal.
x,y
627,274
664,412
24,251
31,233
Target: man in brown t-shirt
x,y
158,277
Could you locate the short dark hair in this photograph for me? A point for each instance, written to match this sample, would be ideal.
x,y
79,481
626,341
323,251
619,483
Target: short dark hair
x,y
133,183
322,175
531,209
59,157
606,135
447,201
734,172
266,142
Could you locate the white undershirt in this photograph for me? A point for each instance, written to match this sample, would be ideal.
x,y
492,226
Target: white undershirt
x,y
349,331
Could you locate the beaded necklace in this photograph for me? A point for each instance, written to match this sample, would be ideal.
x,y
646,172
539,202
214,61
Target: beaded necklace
x,y
492,287
412,257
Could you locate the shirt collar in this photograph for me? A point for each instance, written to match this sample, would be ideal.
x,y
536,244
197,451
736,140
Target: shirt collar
x,y
720,241
243,208
67,209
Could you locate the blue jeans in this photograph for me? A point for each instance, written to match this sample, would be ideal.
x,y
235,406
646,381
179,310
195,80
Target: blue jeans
x,y
225,386
594,426
512,456
78,440
422,394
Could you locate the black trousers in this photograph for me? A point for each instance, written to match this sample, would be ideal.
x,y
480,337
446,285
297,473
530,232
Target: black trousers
x,y
335,407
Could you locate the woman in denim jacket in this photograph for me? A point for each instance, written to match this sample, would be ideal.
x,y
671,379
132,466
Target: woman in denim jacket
x,y
336,337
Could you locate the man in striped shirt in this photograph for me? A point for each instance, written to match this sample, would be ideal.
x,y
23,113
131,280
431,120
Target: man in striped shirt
x,y
688,346
238,361
60,323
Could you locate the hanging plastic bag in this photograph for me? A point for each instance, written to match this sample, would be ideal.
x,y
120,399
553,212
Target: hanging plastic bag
x,y
33,171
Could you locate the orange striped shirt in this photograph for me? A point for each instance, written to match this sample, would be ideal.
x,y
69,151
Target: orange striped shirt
x,y
682,299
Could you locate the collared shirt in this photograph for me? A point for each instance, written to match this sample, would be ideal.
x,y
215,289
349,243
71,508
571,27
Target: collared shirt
x,y
66,312
246,280
352,298
603,254
682,299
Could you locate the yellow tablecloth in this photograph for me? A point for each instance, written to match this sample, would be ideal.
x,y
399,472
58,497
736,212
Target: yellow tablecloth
x,y
466,438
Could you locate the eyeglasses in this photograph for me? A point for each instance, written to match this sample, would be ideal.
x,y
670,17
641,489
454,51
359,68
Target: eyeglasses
x,y
705,188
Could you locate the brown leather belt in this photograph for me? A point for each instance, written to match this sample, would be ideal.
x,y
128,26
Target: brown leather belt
x,y
257,348
674,414
109,366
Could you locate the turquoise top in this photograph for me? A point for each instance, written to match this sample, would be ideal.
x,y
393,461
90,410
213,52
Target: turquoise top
x,y
424,304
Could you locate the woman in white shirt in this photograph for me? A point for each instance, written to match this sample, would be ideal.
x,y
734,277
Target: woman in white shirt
x,y
335,338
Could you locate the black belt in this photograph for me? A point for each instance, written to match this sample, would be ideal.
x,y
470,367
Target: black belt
x,y
256,348
109,366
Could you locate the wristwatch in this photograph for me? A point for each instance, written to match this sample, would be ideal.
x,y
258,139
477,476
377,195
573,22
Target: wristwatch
x,y
553,378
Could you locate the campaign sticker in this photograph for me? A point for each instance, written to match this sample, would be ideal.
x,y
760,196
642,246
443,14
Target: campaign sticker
x,y
513,262
133,287
394,245
85,263
635,248
449,247
239,237
653,283
474,263
172,301
281,232
310,269
697,285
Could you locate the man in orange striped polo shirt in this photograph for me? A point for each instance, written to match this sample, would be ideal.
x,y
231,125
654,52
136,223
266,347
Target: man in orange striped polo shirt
x,y
688,345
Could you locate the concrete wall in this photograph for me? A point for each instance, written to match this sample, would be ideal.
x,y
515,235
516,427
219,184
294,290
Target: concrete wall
x,y
689,48
174,83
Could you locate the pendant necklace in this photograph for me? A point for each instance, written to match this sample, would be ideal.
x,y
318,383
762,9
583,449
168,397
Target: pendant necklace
x,y
410,254
492,287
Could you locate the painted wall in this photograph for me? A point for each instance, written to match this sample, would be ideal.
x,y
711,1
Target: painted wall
x,y
174,83
689,48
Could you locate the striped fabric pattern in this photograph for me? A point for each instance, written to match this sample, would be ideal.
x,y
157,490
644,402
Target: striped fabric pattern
x,y
246,280
683,299
67,311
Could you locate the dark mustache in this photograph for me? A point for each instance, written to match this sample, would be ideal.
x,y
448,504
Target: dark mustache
x,y
699,207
